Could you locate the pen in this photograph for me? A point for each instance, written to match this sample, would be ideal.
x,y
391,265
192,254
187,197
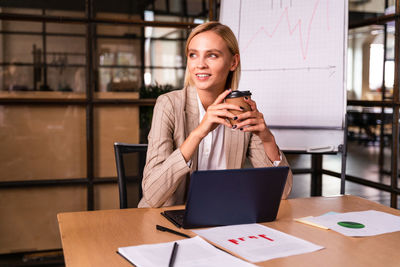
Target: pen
x,y
173,255
165,229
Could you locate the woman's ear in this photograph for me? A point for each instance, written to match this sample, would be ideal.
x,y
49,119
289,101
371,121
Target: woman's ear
x,y
235,62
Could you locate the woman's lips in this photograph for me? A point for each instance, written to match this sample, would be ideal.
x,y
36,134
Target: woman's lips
x,y
203,76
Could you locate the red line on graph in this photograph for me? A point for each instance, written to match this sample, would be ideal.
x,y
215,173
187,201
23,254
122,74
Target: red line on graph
x,y
285,13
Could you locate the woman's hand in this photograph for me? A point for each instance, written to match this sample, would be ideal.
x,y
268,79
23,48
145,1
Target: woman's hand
x,y
253,121
216,114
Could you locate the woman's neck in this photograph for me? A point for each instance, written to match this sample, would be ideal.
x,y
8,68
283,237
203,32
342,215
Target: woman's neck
x,y
207,97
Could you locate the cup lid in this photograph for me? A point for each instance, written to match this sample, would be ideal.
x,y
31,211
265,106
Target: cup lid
x,y
237,93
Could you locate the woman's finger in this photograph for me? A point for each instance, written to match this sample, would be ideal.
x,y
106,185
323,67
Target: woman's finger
x,y
250,129
250,114
225,106
252,103
249,122
222,96
223,113
223,122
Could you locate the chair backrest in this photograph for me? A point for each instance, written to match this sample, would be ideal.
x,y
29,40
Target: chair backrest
x,y
130,160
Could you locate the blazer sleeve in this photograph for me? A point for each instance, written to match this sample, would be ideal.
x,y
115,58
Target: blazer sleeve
x,y
165,165
259,159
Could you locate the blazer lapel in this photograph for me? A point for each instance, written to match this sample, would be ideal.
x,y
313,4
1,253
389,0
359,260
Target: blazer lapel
x,y
192,117
234,148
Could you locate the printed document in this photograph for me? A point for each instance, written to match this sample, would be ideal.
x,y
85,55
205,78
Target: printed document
x,y
256,242
306,220
191,252
360,223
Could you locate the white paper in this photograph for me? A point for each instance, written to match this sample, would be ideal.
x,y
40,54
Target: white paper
x,y
306,220
375,222
191,252
256,242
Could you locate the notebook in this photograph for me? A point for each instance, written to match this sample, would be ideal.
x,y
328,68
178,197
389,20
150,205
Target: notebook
x,y
227,197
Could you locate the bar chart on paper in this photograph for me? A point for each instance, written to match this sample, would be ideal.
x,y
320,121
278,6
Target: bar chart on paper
x,y
293,59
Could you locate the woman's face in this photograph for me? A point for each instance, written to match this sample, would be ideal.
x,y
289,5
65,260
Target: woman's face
x,y
209,61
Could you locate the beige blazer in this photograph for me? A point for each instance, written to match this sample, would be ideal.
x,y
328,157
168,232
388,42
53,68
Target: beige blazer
x,y
166,174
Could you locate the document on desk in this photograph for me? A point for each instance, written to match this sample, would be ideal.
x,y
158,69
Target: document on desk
x,y
306,220
255,242
360,223
192,252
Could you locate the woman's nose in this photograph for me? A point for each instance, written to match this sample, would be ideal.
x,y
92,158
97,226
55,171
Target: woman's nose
x,y
201,64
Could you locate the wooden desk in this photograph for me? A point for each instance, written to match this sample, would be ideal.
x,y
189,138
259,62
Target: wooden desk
x,y
92,238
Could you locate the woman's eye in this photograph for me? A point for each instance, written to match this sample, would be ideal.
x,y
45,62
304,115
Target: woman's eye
x,y
213,55
192,55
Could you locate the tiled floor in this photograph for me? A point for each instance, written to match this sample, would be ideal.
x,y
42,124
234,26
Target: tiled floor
x,y
362,161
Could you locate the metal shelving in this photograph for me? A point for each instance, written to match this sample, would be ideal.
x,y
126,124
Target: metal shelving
x,y
89,101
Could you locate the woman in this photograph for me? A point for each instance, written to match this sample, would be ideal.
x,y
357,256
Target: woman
x,y
190,130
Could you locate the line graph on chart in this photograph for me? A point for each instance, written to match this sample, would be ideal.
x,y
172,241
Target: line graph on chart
x,y
292,56
294,25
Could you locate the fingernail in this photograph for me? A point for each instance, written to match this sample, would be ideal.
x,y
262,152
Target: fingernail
x,y
246,98
235,118
234,126
242,108
241,129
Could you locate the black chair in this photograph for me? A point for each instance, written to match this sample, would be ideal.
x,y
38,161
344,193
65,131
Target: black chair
x,y
130,160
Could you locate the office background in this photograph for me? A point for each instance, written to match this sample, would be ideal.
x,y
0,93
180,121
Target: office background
x,y
77,76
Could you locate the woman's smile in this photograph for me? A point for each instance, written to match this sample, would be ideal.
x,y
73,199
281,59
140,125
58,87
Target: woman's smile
x,y
203,76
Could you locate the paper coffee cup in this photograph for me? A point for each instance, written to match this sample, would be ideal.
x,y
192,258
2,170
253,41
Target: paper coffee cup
x,y
237,98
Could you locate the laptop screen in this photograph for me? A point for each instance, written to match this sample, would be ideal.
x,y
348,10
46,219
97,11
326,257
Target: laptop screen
x,y
226,197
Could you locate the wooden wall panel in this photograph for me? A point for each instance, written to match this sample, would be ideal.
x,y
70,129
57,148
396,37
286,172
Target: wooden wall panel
x,y
106,196
42,142
113,124
29,216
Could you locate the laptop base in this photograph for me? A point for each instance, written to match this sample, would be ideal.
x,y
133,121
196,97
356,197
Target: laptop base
x,y
174,216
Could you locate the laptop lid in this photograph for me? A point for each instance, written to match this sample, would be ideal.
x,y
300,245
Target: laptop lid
x,y
226,197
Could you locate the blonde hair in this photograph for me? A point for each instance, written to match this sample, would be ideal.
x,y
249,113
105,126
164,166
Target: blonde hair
x,y
228,36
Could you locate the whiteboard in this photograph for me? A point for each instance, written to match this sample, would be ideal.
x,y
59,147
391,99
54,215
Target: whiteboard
x,y
293,61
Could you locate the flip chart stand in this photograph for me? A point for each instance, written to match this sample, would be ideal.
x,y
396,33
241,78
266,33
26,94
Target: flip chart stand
x,y
317,167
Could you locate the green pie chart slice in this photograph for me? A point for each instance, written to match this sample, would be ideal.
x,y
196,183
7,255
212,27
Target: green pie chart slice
x,y
354,225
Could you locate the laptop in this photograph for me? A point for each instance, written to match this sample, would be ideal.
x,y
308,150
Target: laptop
x,y
226,197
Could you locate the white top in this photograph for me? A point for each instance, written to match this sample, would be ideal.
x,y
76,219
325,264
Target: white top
x,y
211,148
